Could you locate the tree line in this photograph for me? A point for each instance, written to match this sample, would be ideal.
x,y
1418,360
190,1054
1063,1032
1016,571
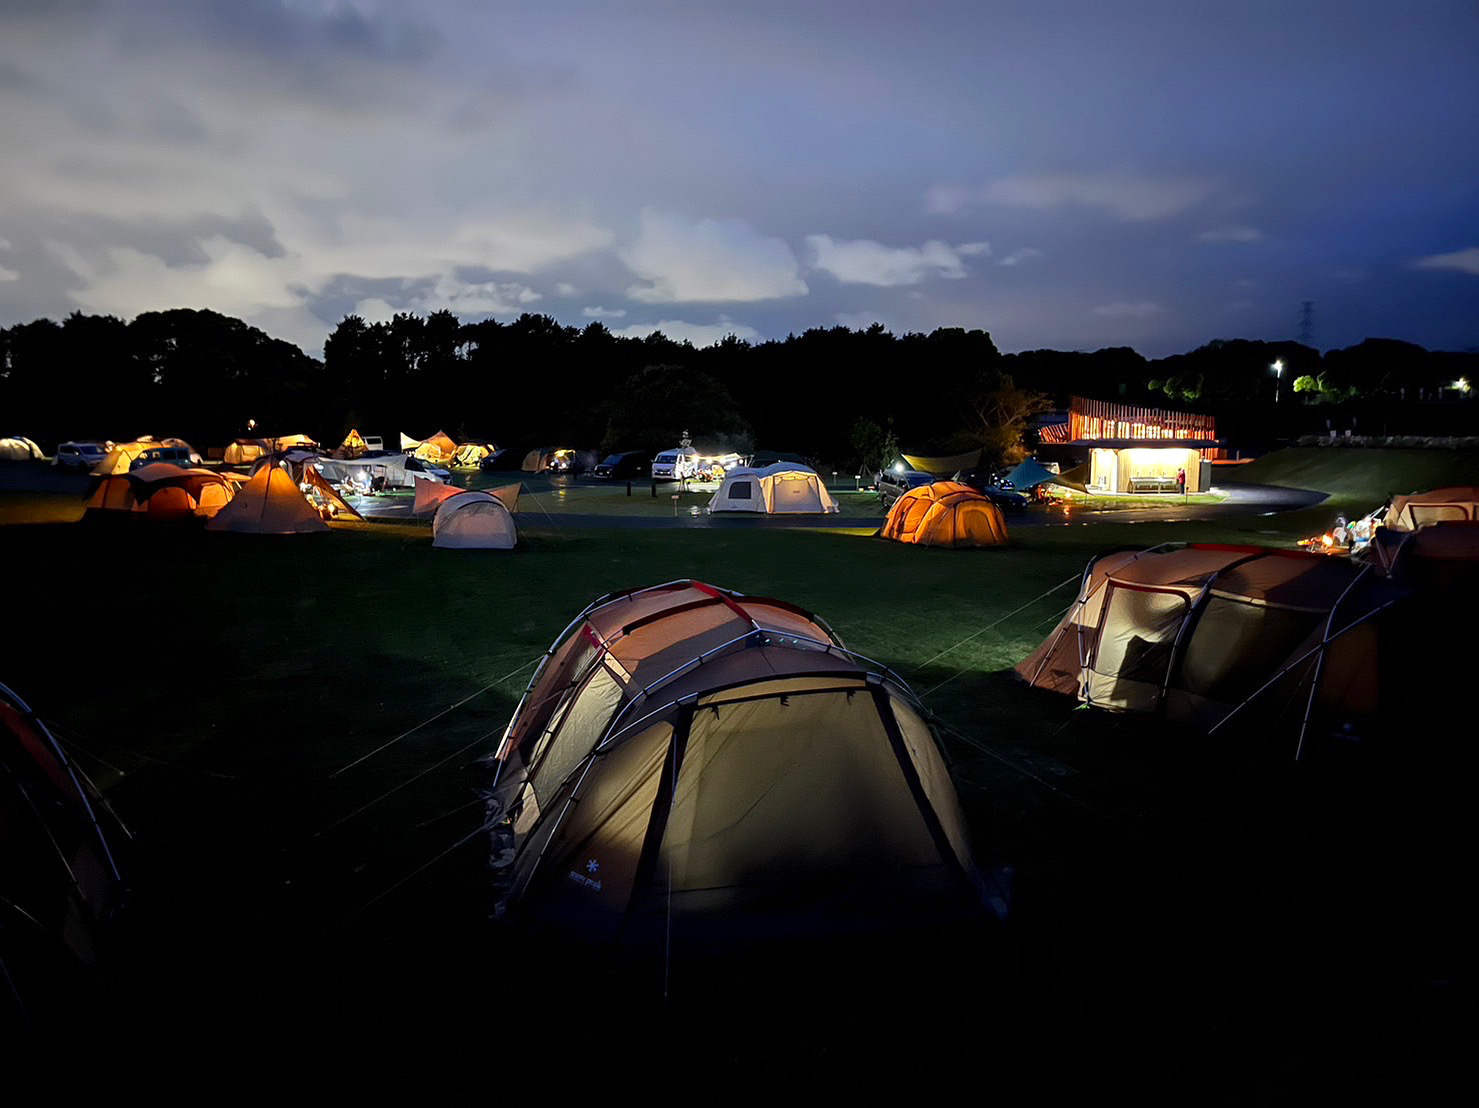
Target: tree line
x,y
840,395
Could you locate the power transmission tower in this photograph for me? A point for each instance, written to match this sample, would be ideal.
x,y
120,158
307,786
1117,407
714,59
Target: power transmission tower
x,y
1306,336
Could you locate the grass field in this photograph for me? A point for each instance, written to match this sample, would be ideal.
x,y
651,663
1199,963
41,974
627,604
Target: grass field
x,y
291,917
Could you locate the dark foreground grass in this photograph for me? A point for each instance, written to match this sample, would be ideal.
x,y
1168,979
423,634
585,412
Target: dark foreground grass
x,y
1191,918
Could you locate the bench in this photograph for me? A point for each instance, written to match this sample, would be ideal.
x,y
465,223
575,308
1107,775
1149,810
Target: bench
x,y
1154,484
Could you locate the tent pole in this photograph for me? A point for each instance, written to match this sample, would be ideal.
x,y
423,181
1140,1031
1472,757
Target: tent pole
x,y
1309,708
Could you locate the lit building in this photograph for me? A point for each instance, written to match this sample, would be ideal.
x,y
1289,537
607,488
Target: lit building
x,y
1132,449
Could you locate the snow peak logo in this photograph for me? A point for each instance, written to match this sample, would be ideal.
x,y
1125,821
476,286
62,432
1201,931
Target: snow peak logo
x,y
588,878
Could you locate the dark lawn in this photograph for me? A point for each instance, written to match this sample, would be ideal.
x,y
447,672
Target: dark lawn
x,y
1192,917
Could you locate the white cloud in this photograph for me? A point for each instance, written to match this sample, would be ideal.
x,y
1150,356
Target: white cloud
x,y
700,334
603,313
565,288
1124,195
1465,261
8,274
865,262
474,298
1017,257
710,260
1140,310
374,310
974,249
1231,234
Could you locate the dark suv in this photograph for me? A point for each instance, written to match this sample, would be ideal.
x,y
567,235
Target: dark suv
x,y
894,483
622,467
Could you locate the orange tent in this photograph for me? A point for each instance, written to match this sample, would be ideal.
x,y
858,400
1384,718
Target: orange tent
x,y
945,513
162,492
270,503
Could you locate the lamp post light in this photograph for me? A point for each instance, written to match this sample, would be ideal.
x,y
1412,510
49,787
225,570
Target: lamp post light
x,y
1278,368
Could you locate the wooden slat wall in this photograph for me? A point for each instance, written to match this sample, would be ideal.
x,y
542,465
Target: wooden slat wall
x,y
1099,419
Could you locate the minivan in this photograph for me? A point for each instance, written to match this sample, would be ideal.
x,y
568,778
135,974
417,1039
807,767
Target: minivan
x,y
169,455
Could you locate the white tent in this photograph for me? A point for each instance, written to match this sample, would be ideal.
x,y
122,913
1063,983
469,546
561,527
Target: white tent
x,y
473,521
18,448
363,471
785,487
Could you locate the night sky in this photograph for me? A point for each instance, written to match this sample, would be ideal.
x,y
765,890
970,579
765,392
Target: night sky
x,y
1066,175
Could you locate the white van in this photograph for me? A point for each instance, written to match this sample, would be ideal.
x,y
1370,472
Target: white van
x,y
675,465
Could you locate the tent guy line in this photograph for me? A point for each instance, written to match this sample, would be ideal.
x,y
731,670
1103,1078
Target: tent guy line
x,y
450,707
1041,596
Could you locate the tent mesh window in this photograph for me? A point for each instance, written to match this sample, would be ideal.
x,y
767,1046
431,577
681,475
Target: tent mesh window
x,y
740,490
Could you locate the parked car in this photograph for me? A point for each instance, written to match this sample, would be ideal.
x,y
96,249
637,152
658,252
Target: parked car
x,y
894,483
675,465
622,467
420,467
992,484
168,455
79,455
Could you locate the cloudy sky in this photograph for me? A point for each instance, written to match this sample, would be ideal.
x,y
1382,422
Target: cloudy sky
x,y
1069,175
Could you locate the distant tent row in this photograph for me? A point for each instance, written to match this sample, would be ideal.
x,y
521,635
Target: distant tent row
x,y
945,513
782,488
122,456
783,788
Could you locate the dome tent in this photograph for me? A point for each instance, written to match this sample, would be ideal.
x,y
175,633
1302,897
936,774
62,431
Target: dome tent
x,y
1419,509
473,521
780,489
692,769
945,513
18,448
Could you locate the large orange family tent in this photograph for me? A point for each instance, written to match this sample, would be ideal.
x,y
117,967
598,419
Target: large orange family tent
x,y
691,766
161,492
945,513
270,503
439,448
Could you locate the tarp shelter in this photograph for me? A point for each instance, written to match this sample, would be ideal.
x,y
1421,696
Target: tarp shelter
x,y
323,497
1416,510
353,445
60,875
692,766
438,449
473,521
270,503
943,466
945,513
162,492
386,471
470,455
1197,632
18,448
245,451
782,488
1029,473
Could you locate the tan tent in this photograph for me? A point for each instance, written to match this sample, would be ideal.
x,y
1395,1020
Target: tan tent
x,y
353,445
1199,632
270,503
162,492
945,513
122,456
781,489
470,455
294,442
18,448
692,766
246,451
1408,513
473,521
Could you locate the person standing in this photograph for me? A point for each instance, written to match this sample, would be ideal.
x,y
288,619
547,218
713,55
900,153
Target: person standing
x,y
1181,481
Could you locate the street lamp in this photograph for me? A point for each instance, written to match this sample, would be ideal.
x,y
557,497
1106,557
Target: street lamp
x,y
1278,368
